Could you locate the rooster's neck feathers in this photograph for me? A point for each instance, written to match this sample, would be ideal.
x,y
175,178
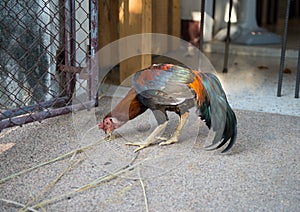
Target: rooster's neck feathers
x,y
128,108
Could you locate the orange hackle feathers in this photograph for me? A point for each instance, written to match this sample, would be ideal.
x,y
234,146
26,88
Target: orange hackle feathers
x,y
198,87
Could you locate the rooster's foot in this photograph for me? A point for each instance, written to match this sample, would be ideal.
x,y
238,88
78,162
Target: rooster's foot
x,y
151,139
141,145
167,141
111,137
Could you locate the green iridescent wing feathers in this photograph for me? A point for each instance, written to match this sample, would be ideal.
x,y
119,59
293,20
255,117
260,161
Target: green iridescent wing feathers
x,y
164,84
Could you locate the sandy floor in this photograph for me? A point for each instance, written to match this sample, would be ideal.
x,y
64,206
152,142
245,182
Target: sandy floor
x,y
260,173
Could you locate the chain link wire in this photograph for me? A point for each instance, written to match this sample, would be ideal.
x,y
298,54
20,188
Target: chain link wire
x,y
42,42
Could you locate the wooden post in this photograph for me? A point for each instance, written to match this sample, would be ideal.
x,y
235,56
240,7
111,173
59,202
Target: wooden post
x,y
135,17
122,18
166,19
174,17
108,25
160,22
174,22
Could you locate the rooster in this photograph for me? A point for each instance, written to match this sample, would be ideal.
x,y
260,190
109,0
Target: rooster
x,y
168,87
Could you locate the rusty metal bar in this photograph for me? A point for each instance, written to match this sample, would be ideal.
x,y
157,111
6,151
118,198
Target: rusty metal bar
x,y
39,116
33,108
94,77
70,45
70,69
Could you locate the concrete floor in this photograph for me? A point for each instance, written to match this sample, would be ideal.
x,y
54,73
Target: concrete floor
x,y
251,83
261,173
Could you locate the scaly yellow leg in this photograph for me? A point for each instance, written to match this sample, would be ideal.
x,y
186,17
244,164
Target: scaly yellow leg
x,y
151,139
175,136
110,136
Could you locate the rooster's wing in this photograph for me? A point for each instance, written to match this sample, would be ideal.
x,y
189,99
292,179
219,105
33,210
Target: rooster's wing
x,y
164,84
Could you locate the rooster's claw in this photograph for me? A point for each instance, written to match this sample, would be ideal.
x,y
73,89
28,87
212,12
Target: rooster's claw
x,y
167,141
140,145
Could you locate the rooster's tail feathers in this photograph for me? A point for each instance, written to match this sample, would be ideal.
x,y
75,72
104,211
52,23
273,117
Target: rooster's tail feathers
x,y
215,110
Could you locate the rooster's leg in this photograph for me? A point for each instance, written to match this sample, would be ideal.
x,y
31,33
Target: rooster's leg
x,y
175,136
151,139
110,136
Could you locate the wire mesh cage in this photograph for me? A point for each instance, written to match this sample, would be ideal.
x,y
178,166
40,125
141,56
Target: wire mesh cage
x,y
44,44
